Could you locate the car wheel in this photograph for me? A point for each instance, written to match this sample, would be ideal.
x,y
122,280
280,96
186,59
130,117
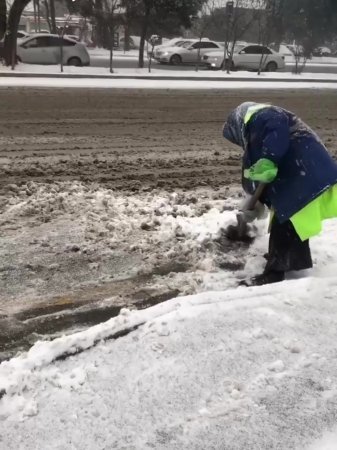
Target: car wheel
x,y
271,66
74,61
175,60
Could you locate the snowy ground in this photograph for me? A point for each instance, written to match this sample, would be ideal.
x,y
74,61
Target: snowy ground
x,y
90,174
94,185
155,72
234,369
138,83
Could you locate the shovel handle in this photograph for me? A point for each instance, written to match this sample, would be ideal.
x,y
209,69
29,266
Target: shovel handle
x,y
251,202
241,228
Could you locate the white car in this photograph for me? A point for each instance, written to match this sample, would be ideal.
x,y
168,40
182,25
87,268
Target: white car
x,y
22,34
187,52
322,51
45,49
247,57
169,43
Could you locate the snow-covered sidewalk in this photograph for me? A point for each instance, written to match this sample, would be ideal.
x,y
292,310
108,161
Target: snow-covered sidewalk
x,y
245,368
33,75
36,69
138,83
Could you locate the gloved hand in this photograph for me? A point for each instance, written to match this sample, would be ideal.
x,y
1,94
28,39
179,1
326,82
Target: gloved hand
x,y
258,213
263,170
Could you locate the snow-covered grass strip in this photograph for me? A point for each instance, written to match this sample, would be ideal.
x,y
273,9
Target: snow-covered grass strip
x,y
159,84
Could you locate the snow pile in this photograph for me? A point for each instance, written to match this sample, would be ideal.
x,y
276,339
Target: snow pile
x,y
248,367
327,442
101,235
179,225
236,367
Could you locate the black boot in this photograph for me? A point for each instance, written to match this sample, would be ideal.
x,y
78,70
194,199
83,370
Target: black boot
x,y
265,278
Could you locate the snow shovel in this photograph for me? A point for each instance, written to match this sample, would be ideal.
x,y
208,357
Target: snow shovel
x,y
239,232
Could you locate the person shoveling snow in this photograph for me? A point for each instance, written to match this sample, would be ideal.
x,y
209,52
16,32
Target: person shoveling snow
x,y
288,167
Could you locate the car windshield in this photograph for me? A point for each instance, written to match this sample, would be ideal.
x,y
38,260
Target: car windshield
x,y
238,47
179,43
186,44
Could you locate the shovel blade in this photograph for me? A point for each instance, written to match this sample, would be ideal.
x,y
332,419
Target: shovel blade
x,y
240,231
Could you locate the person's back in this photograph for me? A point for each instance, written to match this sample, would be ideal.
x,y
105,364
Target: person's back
x,y
305,168
285,154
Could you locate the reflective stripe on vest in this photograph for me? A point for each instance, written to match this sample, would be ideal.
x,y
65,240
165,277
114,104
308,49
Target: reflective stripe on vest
x,y
252,110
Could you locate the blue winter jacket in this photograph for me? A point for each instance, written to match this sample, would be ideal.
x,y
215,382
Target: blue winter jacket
x,y
305,169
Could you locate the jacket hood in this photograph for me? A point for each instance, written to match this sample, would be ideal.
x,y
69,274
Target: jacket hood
x,y
234,127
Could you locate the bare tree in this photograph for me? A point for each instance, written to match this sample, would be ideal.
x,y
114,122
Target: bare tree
x,y
239,20
61,35
49,7
300,59
47,13
276,20
12,25
150,13
263,20
110,8
53,28
107,16
38,15
203,23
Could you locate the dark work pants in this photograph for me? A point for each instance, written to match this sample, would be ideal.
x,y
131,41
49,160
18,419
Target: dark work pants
x,y
286,250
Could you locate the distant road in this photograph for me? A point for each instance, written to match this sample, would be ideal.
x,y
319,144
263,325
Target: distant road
x,y
101,59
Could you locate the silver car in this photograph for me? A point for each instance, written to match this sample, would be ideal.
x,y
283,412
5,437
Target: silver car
x,y
45,49
171,43
247,57
187,52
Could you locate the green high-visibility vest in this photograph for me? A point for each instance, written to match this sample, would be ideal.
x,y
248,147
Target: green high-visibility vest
x,y
308,221
252,110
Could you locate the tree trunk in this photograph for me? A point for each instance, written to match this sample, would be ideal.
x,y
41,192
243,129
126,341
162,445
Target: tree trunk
x,y
12,28
112,36
35,18
3,18
52,17
46,7
143,33
198,55
38,15
100,25
126,36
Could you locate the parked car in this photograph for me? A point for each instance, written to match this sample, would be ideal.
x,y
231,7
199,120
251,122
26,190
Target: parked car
x,y
289,50
187,52
247,57
322,51
285,50
74,37
169,43
45,49
297,50
158,51
134,43
22,34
